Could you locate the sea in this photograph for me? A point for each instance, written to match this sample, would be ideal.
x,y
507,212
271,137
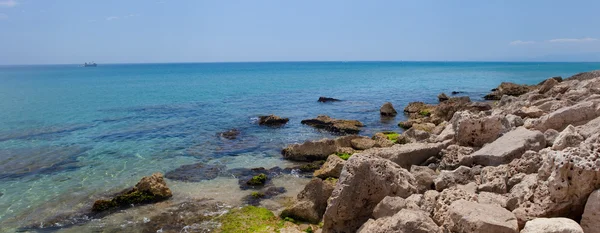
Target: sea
x,y
72,134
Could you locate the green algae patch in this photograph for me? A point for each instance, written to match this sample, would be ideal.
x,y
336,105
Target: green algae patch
x,y
257,195
126,199
344,156
425,112
250,219
311,167
257,180
392,136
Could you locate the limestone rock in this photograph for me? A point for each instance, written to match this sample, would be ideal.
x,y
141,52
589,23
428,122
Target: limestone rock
x,y
567,138
577,114
416,107
530,162
416,134
410,154
477,129
584,76
590,221
405,221
548,85
443,97
550,136
149,189
424,177
553,225
389,206
312,201
365,180
332,167
494,179
473,217
514,121
316,150
443,202
272,120
452,155
363,143
155,185
492,199
506,148
589,128
446,134
529,112
334,125
446,179
387,109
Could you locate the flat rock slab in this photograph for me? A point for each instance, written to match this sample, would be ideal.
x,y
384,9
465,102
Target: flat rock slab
x,y
471,217
506,148
410,154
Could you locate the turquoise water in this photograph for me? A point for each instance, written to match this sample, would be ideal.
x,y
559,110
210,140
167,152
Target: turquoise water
x,y
69,134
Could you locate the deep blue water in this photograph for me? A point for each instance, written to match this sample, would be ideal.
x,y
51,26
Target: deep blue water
x,y
68,132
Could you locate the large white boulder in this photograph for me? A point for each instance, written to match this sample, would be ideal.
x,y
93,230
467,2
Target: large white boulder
x,y
506,148
553,225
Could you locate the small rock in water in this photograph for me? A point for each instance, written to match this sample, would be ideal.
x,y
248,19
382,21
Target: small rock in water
x,y
387,109
442,97
334,125
323,99
272,120
195,172
254,178
456,92
150,189
255,197
230,134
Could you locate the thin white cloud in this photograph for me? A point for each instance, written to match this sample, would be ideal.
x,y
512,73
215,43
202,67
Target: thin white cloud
x,y
3,16
572,40
520,42
8,3
109,18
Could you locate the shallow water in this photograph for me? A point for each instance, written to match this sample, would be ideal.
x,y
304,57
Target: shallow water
x,y
69,135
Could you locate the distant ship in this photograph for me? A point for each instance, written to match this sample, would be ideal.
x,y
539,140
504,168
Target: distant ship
x,y
91,64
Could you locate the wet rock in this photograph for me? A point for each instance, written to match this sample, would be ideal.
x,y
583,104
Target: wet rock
x,y
552,225
256,197
309,167
590,221
447,179
445,110
332,167
387,109
365,180
506,148
195,172
443,97
477,129
474,217
231,134
317,150
17,163
312,201
567,138
272,120
577,114
456,92
409,154
254,178
334,125
149,189
416,107
323,99
424,177
413,221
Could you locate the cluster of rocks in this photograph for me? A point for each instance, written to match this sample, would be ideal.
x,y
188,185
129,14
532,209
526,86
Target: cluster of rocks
x,y
526,163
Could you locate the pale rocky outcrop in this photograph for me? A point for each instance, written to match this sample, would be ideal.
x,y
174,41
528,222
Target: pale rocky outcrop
x,y
424,177
567,138
387,109
529,162
446,134
331,168
389,206
410,154
514,121
577,114
446,179
452,155
494,179
317,150
471,217
443,202
416,134
154,184
492,199
590,221
529,112
363,143
477,129
405,221
553,225
550,136
508,147
312,201
365,180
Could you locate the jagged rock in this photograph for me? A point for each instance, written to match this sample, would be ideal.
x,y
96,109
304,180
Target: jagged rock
x,y
443,97
416,107
529,112
417,134
424,177
506,148
389,206
446,134
317,150
332,167
589,128
446,179
410,154
477,129
272,120
548,85
427,127
382,140
550,136
149,189
365,180
452,155
553,225
590,221
494,179
492,199
312,201
507,88
577,114
522,192
363,143
567,138
387,109
405,221
323,99
514,121
445,110
584,76
530,162
473,217
334,125
443,202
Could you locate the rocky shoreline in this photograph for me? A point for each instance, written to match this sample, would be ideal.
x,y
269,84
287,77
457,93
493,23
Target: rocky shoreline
x,y
525,160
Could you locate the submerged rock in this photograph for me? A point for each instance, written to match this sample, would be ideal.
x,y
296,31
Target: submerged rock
x,y
387,109
323,99
334,125
150,189
231,134
195,172
256,197
17,163
272,120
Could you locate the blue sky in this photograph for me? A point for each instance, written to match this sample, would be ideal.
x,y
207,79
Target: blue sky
x,y
125,31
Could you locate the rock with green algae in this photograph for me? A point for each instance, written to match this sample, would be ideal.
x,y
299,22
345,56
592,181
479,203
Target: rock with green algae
x,y
250,219
150,189
257,180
